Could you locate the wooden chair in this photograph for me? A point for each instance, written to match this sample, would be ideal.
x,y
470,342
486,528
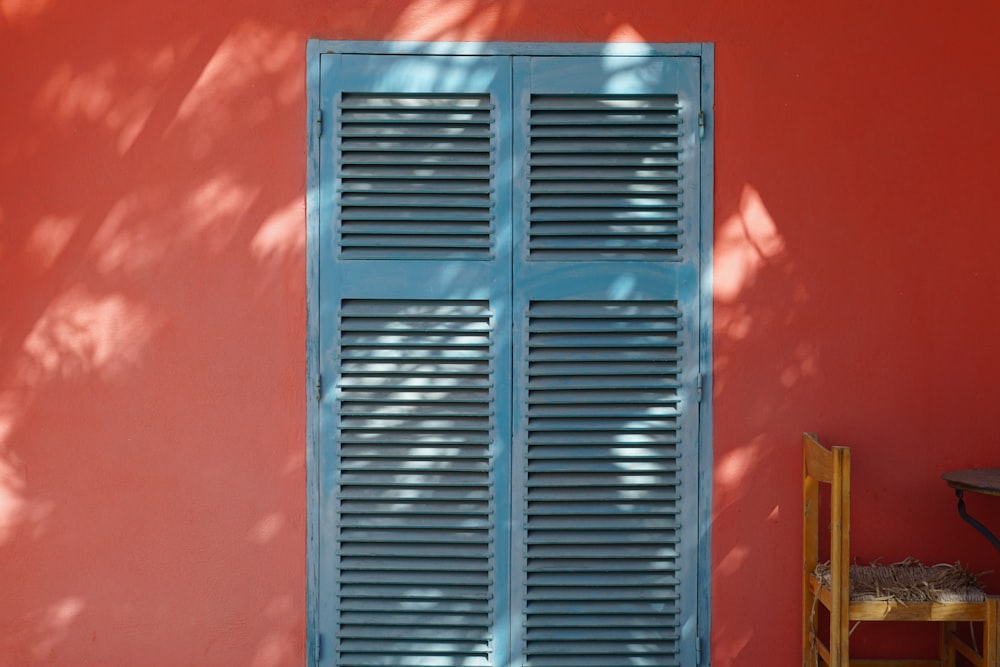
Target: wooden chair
x,y
832,589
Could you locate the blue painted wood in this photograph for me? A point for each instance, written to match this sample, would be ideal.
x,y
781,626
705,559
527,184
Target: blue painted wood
x,y
511,48
707,215
313,102
606,359
565,278
415,355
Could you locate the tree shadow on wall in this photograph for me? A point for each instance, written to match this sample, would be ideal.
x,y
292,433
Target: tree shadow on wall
x,y
151,342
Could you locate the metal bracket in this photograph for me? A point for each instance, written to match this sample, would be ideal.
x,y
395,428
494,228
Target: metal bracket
x,y
986,532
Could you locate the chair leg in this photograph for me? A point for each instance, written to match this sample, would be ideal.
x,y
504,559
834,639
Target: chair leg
x,y
947,647
809,656
991,633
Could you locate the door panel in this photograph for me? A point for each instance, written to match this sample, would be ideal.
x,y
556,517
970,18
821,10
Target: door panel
x,y
415,348
605,360
509,331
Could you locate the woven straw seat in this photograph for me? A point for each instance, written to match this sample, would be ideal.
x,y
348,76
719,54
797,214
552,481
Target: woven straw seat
x,y
909,581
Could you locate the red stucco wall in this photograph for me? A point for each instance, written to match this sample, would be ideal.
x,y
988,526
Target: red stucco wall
x,y
152,300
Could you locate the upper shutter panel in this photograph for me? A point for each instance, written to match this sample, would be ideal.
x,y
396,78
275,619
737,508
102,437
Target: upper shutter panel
x,y
604,177
611,169
606,360
416,176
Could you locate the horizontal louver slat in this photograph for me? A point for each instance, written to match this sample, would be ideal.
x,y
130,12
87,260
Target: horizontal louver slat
x,y
603,177
415,176
415,501
602,487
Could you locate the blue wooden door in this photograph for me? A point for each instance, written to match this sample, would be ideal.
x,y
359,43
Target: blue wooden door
x,y
509,337
415,345
606,356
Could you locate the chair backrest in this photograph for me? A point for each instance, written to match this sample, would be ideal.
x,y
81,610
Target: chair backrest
x,y
828,466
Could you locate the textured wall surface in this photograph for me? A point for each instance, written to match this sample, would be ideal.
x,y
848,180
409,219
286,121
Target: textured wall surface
x,y
152,301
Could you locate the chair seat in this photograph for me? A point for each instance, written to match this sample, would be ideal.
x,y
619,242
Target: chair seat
x,y
909,581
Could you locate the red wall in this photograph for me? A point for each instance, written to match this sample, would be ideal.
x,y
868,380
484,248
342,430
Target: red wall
x,y
152,300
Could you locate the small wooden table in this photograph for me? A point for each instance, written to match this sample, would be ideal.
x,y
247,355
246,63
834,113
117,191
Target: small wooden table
x,y
975,480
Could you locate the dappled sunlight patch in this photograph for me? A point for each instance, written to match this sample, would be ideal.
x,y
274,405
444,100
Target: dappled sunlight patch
x,y
10,410
295,464
625,33
805,364
749,249
746,242
17,509
12,488
83,332
275,649
116,96
457,20
734,469
126,240
733,562
54,624
227,92
775,514
48,239
213,212
18,11
282,236
69,94
737,321
731,643
278,646
267,528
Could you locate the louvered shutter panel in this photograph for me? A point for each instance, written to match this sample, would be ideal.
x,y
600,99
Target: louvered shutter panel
x,y
415,491
415,286
605,361
416,176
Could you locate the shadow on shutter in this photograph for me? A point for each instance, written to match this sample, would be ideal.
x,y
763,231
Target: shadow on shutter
x,y
415,498
602,485
604,177
416,176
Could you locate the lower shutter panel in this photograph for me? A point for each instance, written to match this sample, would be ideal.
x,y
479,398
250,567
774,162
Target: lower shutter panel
x,y
416,535
602,463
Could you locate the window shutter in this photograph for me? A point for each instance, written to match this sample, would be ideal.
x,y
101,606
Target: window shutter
x,y
606,359
509,349
415,320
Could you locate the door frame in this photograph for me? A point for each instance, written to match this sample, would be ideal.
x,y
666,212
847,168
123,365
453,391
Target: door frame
x,y
705,51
